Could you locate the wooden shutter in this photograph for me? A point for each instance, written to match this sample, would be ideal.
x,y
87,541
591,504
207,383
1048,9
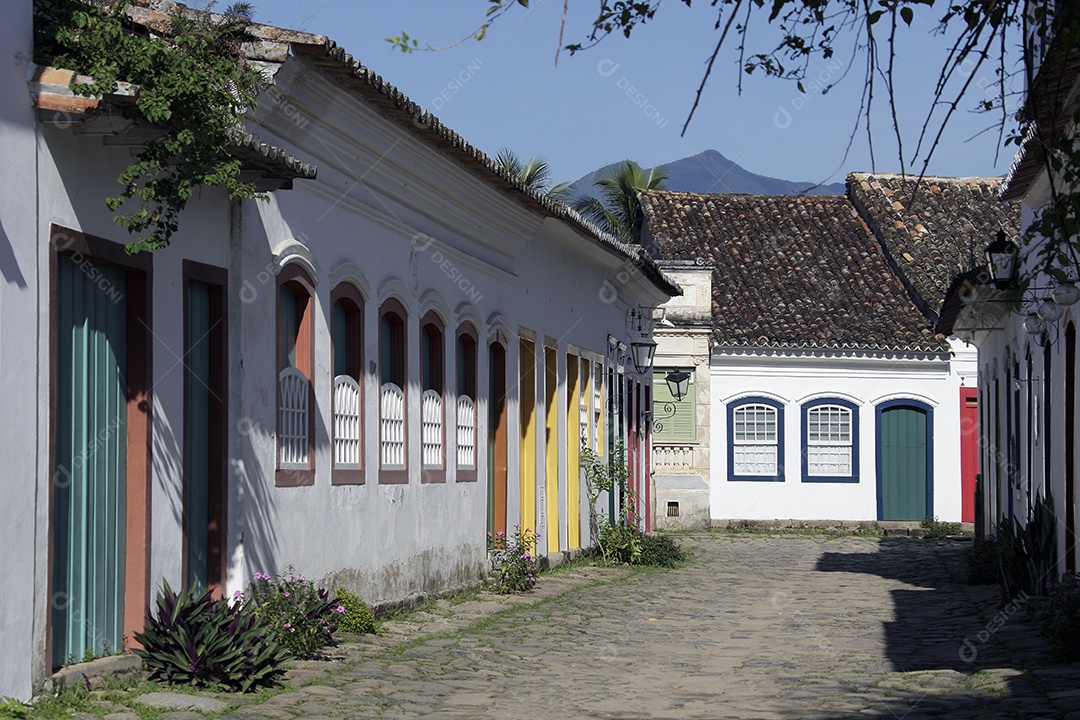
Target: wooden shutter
x,y
682,427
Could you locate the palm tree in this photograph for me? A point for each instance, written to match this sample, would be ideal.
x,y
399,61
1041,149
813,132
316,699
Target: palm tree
x,y
535,173
617,208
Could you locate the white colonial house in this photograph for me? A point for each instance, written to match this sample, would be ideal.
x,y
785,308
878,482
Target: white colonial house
x,y
830,395
398,352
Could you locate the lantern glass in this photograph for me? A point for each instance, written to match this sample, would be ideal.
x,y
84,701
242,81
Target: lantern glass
x,y
1050,311
678,382
1001,260
643,352
1065,294
1034,325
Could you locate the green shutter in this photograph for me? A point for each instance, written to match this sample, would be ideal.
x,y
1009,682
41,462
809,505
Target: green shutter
x,y
682,427
89,498
197,475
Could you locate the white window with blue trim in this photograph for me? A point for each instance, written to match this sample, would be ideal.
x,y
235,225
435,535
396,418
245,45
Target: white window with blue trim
x,y
756,440
830,431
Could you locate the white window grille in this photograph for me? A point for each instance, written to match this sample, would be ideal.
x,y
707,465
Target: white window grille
x,y
392,426
755,440
292,420
466,432
828,441
346,423
598,407
432,428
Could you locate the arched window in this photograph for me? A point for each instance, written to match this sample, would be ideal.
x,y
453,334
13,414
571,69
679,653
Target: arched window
x,y
756,440
295,343
830,441
467,381
432,379
347,333
392,392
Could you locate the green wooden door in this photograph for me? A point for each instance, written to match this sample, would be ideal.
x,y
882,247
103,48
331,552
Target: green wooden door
x,y
902,463
196,434
88,516
205,433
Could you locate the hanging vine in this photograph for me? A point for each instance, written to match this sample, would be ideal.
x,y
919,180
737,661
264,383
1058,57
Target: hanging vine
x,y
192,83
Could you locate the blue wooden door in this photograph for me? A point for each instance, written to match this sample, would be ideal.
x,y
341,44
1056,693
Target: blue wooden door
x,y
903,467
89,499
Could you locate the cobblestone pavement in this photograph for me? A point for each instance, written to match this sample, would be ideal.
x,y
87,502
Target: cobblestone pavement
x,y
754,627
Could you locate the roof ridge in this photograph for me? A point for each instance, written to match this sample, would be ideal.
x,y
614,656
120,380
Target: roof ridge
x,y
911,177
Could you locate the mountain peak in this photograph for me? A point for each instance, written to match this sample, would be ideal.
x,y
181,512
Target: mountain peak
x,y
710,172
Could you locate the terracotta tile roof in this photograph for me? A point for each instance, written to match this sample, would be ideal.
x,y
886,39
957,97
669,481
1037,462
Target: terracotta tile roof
x,y
272,46
934,229
1047,106
394,104
53,98
789,271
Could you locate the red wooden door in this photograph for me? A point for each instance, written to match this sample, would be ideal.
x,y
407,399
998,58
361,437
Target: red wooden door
x,y
969,451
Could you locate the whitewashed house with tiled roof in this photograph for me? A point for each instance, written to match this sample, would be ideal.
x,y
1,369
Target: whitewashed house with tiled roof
x,y
831,397
401,350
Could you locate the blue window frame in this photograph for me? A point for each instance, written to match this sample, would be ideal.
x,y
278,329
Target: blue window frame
x,y
755,435
830,441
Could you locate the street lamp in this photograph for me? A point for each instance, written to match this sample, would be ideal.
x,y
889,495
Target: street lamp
x,y
1001,260
678,382
642,352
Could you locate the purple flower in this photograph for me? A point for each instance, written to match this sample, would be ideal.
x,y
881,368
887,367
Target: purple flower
x,y
341,608
288,624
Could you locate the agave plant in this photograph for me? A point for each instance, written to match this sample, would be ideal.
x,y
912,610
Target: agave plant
x,y
197,640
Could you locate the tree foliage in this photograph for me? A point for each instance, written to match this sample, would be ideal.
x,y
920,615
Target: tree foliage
x,y
534,173
616,210
982,37
193,84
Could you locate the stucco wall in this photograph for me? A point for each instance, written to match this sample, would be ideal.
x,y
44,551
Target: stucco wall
x,y
22,435
864,380
389,215
1015,471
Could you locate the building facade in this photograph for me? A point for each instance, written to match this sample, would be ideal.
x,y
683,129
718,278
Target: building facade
x,y
1026,327
832,397
399,351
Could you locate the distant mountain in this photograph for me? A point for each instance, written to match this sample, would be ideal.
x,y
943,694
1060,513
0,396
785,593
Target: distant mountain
x,y
711,172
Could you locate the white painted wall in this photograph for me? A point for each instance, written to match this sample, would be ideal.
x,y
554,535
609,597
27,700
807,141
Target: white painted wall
x,y
387,213
401,221
23,441
865,379
1021,475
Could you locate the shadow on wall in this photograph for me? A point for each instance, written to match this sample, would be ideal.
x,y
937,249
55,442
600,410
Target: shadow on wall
x,y
9,264
252,520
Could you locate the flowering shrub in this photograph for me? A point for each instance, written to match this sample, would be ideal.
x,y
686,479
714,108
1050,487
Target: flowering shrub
x,y
1060,617
195,639
516,567
301,617
357,617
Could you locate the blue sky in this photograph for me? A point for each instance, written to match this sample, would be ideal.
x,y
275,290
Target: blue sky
x,y
629,98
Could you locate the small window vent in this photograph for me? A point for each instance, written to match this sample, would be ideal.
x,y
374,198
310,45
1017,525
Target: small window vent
x,y
673,509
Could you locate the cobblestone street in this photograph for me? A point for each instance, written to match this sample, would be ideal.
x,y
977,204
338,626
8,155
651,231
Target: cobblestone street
x,y
755,627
